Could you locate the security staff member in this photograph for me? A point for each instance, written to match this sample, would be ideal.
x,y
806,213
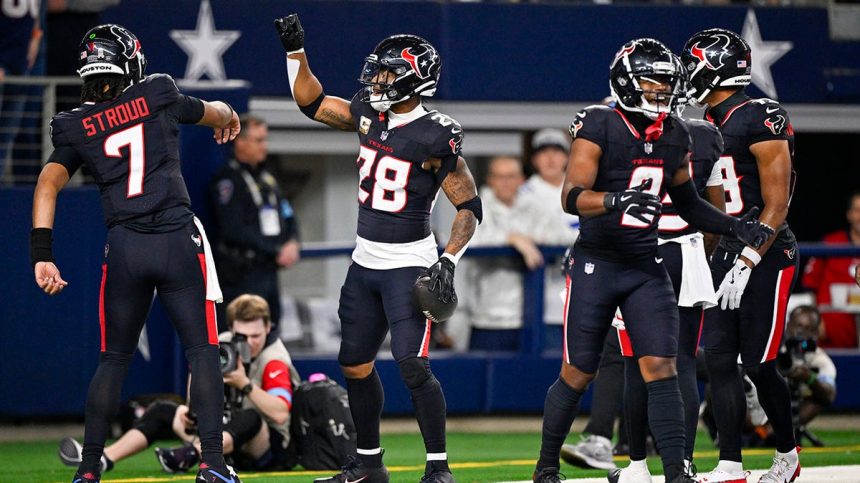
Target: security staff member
x,y
257,229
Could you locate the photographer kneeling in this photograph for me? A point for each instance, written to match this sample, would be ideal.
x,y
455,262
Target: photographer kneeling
x,y
809,371
258,399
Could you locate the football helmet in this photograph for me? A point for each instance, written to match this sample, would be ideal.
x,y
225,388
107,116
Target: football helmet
x,y
650,60
111,49
683,89
716,58
400,67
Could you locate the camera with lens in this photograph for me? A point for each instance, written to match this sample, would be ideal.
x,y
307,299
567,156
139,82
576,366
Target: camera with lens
x,y
793,352
234,351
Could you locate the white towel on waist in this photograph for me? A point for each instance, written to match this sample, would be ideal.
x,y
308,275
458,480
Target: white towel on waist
x,y
697,287
213,288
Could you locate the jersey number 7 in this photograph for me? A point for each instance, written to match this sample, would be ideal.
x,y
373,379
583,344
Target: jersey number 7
x,y
133,138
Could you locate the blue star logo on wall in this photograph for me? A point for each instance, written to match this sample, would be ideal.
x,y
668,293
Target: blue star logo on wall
x,y
205,46
764,54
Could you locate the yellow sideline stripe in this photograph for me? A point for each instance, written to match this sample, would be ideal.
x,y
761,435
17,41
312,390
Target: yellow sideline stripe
x,y
483,464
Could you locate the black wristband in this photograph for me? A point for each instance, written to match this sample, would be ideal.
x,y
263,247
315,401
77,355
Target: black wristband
x,y
570,202
40,245
247,389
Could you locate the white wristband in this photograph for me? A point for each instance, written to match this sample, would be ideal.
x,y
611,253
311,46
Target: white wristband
x,y
300,51
454,259
751,255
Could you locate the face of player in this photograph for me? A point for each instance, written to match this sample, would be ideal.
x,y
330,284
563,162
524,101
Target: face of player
x,y
550,163
253,147
505,178
853,215
383,76
256,332
657,90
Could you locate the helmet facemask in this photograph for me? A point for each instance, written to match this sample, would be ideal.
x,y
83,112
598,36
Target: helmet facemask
x,y
381,81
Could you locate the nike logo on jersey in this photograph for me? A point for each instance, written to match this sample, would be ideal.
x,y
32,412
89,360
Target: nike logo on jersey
x,y
771,110
658,259
275,374
356,481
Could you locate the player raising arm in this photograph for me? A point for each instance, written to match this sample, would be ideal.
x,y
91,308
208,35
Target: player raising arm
x,y
406,153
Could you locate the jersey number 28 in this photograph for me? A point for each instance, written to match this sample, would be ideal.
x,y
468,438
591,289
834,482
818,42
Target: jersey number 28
x,y
389,183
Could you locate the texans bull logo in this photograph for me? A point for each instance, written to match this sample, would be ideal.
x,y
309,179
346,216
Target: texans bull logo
x,y
130,45
775,124
421,58
713,53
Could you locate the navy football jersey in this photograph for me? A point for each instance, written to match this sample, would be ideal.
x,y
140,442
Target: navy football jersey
x,y
744,122
130,145
707,149
627,161
395,193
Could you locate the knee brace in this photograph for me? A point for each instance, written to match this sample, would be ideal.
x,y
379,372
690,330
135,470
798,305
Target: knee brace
x,y
243,426
157,422
415,371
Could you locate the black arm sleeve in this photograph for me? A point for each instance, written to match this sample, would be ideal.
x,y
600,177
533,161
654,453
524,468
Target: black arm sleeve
x,y
68,157
698,212
187,109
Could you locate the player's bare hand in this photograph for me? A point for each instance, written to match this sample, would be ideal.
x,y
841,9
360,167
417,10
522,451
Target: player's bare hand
x,y
291,33
48,278
229,132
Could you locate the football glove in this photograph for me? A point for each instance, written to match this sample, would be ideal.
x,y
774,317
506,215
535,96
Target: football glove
x,y
635,202
441,276
291,33
732,288
751,231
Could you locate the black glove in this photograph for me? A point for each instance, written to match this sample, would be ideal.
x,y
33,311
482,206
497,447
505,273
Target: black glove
x,y
635,202
441,276
290,30
751,231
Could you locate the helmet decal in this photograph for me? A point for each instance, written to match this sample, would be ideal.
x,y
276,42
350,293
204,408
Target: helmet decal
x,y
421,62
713,53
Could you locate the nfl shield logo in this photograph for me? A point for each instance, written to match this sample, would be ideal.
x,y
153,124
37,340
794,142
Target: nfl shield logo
x,y
384,135
648,148
589,268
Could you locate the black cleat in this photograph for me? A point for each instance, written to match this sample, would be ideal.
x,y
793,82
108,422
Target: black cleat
x,y
437,476
547,475
354,472
177,460
86,478
207,474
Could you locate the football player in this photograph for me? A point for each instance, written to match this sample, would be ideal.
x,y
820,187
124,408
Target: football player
x,y
623,161
125,132
684,252
406,153
754,282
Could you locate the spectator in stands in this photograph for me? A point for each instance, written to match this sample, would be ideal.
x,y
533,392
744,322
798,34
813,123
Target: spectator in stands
x,y
19,49
257,229
517,220
258,432
833,280
550,149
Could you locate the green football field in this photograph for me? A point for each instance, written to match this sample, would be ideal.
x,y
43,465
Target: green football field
x,y
475,457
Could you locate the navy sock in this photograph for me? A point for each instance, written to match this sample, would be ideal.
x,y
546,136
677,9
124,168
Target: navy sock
x,y
207,402
366,399
102,406
430,411
559,411
729,403
776,401
635,410
666,418
690,395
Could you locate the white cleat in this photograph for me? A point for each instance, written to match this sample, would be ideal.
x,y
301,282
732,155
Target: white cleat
x,y
785,468
720,476
636,472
